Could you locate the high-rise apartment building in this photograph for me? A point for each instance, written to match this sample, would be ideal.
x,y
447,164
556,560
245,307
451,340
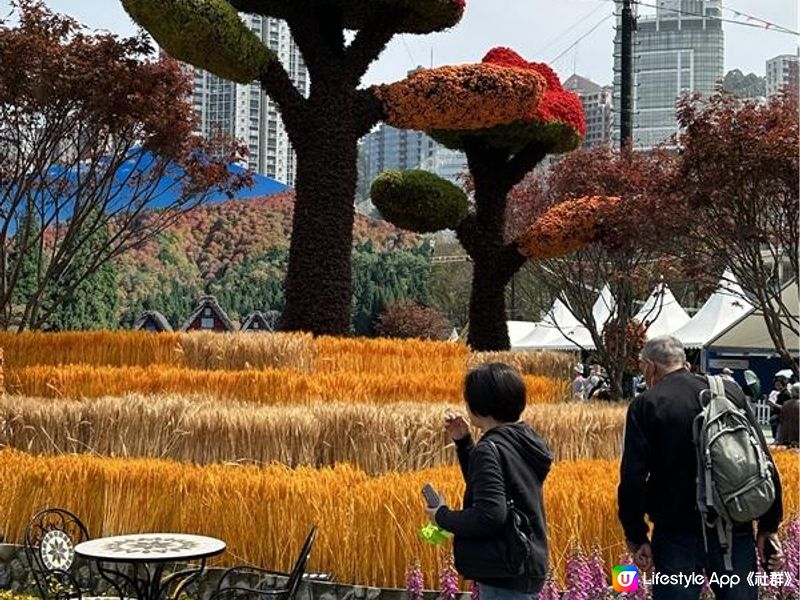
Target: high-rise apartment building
x,y
390,148
782,71
598,106
246,113
678,50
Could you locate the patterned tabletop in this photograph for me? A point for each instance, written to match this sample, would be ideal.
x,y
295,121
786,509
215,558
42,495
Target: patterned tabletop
x,y
151,547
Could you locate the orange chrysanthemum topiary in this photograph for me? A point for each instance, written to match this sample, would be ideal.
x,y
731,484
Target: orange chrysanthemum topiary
x,y
462,97
556,121
567,227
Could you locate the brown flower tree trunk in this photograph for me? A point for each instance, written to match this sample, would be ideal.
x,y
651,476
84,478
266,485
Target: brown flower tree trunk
x,y
318,283
494,261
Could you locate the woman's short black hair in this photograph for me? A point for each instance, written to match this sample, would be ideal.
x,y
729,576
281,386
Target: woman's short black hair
x,y
495,390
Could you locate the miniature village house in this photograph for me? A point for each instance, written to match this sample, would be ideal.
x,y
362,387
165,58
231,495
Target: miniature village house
x,y
208,316
261,321
152,321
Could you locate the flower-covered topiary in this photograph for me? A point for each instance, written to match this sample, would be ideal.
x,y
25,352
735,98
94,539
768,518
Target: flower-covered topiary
x,y
567,227
205,33
338,40
506,114
419,201
462,97
414,16
556,120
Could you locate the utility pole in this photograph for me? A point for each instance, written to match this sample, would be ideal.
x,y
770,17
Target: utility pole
x,y
626,75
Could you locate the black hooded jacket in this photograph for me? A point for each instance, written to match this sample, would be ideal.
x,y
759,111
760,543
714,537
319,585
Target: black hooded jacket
x,y
526,462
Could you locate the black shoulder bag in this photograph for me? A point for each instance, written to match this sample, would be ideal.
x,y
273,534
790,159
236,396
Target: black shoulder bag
x,y
504,555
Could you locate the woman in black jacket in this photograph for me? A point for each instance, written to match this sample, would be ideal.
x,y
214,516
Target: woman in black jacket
x,y
508,464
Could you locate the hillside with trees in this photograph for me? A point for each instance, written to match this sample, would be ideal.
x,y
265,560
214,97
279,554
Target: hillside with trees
x,y
238,251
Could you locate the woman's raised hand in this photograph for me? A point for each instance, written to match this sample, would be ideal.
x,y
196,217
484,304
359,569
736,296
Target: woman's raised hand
x,y
456,426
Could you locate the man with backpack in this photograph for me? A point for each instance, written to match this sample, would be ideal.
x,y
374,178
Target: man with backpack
x,y
696,463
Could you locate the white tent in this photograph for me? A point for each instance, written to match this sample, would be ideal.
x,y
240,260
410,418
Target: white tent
x,y
548,331
560,330
749,331
663,313
725,306
517,330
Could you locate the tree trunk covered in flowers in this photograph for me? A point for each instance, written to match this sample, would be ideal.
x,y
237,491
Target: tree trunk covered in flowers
x,y
482,235
318,282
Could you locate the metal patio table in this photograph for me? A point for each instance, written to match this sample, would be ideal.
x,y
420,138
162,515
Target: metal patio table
x,y
149,554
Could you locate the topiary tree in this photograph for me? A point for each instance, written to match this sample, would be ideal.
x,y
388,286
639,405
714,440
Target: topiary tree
x,y
457,108
324,128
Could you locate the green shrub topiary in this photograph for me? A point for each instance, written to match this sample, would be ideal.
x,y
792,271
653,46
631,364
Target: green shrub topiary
x,y
419,201
416,16
205,33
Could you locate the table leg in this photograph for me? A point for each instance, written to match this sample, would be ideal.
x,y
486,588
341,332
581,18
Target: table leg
x,y
111,577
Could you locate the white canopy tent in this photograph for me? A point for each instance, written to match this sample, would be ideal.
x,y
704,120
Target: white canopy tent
x,y
663,313
517,330
549,329
749,331
725,306
560,330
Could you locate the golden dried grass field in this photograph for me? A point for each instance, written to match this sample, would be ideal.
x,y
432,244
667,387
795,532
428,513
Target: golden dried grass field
x,y
263,386
202,430
238,351
263,513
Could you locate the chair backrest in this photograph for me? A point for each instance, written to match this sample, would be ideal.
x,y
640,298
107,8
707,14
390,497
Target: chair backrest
x,y
50,539
296,576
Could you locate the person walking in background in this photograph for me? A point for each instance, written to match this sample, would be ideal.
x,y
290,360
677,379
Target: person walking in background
x,y
777,397
789,430
579,384
504,472
658,478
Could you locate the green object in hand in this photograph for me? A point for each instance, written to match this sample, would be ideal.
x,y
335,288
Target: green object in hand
x,y
434,535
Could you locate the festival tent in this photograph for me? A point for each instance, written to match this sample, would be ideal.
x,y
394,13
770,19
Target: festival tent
x,y
549,329
725,306
517,330
560,330
749,332
662,313
746,344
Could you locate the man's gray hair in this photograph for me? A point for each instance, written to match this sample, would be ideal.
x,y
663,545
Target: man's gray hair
x,y
664,350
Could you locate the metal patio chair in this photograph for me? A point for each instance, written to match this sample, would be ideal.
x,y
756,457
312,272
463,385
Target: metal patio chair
x,y
264,588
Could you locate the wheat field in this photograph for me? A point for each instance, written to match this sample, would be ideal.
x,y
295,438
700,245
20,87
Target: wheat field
x,y
239,351
263,386
203,430
263,513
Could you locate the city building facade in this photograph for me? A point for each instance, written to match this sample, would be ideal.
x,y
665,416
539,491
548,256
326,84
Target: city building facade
x,y
598,106
678,50
782,71
246,113
390,148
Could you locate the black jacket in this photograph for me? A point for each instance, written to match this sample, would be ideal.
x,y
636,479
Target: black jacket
x,y
659,463
527,461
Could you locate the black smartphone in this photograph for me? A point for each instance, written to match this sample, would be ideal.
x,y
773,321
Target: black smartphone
x,y
430,495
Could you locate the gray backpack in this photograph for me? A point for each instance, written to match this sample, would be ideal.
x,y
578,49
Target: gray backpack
x,y
734,473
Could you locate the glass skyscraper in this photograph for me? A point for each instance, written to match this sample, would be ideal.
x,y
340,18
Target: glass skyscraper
x,y
678,50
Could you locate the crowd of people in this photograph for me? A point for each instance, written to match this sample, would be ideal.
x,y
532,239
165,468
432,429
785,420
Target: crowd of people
x,y
500,531
590,383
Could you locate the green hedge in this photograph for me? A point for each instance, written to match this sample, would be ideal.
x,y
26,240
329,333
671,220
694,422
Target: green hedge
x,y
419,201
205,33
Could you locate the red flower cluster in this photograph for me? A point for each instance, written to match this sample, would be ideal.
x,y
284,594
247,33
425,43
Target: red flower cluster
x,y
566,227
635,335
557,105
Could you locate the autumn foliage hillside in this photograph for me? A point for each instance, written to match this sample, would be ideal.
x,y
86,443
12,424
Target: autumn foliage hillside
x,y
227,249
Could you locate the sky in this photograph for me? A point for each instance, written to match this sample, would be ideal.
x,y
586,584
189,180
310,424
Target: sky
x,y
542,30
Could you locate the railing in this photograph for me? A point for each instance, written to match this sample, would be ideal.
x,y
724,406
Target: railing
x,y
762,411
